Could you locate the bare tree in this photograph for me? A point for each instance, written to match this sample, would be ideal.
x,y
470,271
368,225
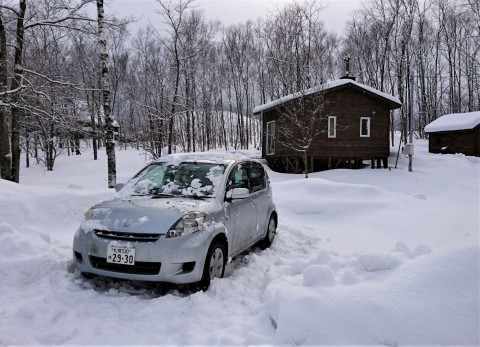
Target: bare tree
x,y
87,59
435,40
299,122
15,88
173,14
59,14
148,92
105,83
5,153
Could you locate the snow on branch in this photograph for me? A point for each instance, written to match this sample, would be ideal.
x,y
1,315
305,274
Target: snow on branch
x,y
76,86
10,9
72,14
8,92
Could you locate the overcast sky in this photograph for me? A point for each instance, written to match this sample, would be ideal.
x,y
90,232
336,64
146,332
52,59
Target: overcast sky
x,y
232,11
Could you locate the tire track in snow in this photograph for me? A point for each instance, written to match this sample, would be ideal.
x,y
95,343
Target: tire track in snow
x,y
242,293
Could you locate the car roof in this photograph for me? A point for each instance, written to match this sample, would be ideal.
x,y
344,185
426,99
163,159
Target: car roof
x,y
205,157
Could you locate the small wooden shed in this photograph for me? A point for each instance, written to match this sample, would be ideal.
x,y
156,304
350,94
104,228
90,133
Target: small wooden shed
x,y
354,126
455,133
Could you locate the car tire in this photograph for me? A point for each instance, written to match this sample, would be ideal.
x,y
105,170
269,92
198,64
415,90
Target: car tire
x,y
270,235
215,263
88,275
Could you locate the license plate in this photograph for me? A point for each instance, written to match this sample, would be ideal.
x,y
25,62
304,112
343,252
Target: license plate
x,y
120,255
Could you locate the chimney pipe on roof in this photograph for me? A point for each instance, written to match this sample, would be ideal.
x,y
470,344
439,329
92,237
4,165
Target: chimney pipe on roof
x,y
347,70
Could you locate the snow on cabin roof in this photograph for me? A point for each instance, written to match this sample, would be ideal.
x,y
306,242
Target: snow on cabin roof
x,y
454,121
325,86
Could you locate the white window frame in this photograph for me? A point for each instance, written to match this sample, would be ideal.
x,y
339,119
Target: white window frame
x,y
270,140
334,134
368,126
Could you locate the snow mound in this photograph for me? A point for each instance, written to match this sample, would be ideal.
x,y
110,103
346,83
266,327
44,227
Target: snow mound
x,y
379,262
409,308
330,196
26,255
14,244
318,275
418,251
53,210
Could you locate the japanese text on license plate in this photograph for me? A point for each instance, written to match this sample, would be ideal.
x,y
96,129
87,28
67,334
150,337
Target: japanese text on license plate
x,y
120,255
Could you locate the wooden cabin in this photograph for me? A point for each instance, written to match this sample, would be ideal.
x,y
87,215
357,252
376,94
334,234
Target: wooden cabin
x,y
455,133
353,125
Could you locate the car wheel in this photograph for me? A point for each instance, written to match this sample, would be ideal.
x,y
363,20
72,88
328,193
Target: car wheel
x,y
214,264
271,231
88,275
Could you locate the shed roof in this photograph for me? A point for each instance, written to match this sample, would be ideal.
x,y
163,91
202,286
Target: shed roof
x,y
454,122
326,86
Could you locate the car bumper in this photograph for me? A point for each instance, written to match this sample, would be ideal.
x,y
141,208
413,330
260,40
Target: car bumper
x,y
176,260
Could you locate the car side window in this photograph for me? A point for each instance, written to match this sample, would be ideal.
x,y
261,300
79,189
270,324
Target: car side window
x,y
238,178
257,178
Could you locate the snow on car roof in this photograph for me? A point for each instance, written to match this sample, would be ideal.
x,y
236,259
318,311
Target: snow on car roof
x,y
220,157
454,121
325,86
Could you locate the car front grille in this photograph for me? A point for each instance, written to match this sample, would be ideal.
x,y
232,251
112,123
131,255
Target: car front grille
x,y
140,268
121,236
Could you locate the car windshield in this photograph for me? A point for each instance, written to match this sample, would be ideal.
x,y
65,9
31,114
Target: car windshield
x,y
191,179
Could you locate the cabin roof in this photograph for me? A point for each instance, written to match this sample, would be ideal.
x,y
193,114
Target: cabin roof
x,y
454,122
394,101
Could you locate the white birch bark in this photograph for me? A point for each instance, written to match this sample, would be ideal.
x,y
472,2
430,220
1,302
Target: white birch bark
x,y
105,85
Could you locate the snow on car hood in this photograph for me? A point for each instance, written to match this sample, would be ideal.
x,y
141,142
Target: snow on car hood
x,y
141,214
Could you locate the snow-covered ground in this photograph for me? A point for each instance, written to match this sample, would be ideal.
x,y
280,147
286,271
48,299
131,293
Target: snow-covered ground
x,y
370,257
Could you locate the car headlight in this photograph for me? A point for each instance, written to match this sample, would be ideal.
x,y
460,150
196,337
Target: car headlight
x,y
188,224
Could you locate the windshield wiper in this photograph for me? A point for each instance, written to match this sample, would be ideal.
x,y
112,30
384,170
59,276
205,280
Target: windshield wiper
x,y
195,196
162,195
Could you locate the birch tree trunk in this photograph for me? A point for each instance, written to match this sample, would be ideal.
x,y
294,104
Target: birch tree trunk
x,y
5,154
110,144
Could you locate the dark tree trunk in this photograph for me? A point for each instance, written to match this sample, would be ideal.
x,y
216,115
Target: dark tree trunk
x,y
94,125
16,84
174,102
76,143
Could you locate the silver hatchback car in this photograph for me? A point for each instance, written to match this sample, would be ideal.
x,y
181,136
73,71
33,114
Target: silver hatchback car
x,y
178,220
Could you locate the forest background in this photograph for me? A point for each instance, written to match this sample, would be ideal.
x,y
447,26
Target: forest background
x,y
191,84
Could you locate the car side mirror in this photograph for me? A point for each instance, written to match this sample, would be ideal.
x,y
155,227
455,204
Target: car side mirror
x,y
237,193
119,186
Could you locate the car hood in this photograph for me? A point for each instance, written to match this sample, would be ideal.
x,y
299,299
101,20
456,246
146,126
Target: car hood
x,y
141,214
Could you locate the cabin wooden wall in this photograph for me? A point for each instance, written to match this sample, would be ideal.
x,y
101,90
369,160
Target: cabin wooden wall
x,y
466,142
348,104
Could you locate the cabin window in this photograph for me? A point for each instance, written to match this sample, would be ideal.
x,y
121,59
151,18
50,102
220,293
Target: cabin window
x,y
270,138
332,126
365,127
